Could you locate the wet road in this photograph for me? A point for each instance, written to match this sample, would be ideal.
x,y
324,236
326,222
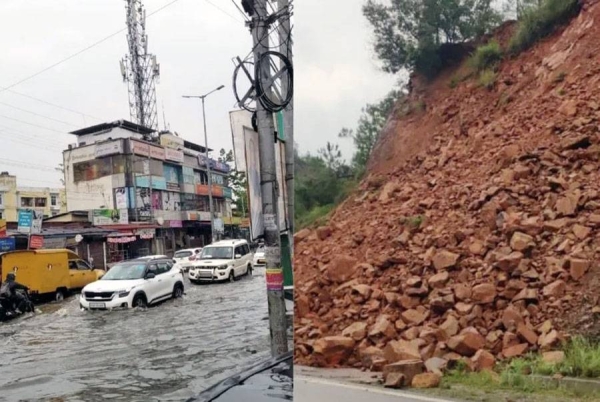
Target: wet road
x,y
168,352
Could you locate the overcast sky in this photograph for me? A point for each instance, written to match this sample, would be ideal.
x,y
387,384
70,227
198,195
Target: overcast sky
x,y
194,41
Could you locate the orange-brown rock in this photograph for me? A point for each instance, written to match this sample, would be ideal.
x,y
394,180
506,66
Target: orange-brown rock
x,y
426,380
323,232
413,316
521,241
516,350
578,267
334,349
401,350
483,360
484,293
408,368
383,327
466,344
555,289
342,268
444,259
356,331
527,333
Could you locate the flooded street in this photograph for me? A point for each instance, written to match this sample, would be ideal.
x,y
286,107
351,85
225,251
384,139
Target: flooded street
x,y
168,352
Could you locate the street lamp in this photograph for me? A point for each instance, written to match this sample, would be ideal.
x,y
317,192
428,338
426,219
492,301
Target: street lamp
x,y
212,215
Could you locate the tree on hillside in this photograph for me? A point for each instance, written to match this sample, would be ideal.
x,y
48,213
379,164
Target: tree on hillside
x,y
369,127
408,33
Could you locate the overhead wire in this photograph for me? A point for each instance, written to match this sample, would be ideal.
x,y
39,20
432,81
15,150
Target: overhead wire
x,y
32,124
223,11
9,87
38,114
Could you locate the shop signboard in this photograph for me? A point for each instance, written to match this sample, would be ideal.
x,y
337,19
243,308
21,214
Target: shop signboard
x,y
220,166
121,198
7,244
158,183
81,154
2,228
55,242
171,141
36,242
108,148
143,149
174,155
204,216
192,216
104,217
219,227
175,224
123,239
202,189
25,220
227,192
145,233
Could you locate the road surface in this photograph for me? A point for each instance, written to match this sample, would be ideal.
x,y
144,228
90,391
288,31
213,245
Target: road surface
x,y
327,385
168,353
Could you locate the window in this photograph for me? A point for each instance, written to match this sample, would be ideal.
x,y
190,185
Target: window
x,y
53,199
27,202
246,249
163,268
1,198
153,269
82,265
40,202
1,215
240,250
92,170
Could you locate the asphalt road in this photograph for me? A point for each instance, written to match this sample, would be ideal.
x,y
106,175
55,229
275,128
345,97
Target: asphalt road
x,y
329,385
165,353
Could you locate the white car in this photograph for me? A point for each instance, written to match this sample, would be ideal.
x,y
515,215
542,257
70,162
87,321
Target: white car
x,y
187,258
259,257
221,261
134,284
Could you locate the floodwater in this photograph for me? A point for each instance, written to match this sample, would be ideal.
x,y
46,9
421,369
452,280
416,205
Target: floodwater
x,y
165,353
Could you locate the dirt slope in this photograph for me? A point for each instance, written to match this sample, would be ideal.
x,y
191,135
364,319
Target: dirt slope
x,y
478,229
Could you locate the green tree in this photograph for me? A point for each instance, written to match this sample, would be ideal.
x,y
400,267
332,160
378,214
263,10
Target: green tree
x,y
408,33
237,181
369,127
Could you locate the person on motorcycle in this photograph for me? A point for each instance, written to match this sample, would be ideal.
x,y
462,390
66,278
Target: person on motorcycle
x,y
9,290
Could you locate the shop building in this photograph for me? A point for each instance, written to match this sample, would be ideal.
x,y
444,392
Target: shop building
x,y
150,189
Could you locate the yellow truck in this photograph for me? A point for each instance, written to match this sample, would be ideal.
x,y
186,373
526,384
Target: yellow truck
x,y
48,272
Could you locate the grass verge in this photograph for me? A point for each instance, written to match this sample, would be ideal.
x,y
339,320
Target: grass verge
x,y
541,21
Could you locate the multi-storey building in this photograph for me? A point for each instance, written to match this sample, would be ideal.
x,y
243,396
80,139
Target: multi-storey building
x,y
154,192
47,201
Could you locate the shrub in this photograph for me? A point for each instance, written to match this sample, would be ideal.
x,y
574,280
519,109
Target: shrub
x,y
538,22
487,79
486,57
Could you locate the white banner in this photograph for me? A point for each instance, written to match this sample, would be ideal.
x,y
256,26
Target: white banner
x,y
252,162
108,148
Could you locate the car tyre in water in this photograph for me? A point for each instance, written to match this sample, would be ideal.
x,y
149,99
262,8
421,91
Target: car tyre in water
x,y
139,301
178,291
231,276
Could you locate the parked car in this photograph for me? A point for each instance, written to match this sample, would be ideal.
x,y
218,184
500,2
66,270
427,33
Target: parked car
x,y
52,272
221,261
259,257
151,257
134,284
187,257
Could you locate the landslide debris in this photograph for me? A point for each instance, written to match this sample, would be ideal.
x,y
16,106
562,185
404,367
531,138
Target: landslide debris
x,y
476,236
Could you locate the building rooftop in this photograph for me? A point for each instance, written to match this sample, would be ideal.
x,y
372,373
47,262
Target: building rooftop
x,y
127,125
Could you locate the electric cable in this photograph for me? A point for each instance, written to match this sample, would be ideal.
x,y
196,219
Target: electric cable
x,y
38,114
261,93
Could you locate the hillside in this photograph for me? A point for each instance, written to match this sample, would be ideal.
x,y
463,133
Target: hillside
x,y
478,227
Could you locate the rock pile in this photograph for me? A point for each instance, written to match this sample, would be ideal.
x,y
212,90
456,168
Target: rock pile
x,y
483,247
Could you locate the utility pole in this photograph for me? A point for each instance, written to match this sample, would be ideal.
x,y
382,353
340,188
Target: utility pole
x,y
209,173
285,32
268,176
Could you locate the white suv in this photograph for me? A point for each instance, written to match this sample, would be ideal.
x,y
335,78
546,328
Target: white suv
x,y
224,260
134,284
187,257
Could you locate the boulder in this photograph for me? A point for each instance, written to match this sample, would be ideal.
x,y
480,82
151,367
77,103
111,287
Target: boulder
x,y
484,293
444,259
413,316
578,268
426,380
516,350
521,241
408,368
342,268
323,232
334,349
483,360
555,289
356,331
466,344
401,350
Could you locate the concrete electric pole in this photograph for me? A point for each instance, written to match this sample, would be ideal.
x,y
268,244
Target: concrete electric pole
x,y
268,176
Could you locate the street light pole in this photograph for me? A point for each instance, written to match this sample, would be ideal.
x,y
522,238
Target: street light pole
x,y
208,171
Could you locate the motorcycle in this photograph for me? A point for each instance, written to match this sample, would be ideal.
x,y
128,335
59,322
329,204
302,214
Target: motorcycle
x,y
8,309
